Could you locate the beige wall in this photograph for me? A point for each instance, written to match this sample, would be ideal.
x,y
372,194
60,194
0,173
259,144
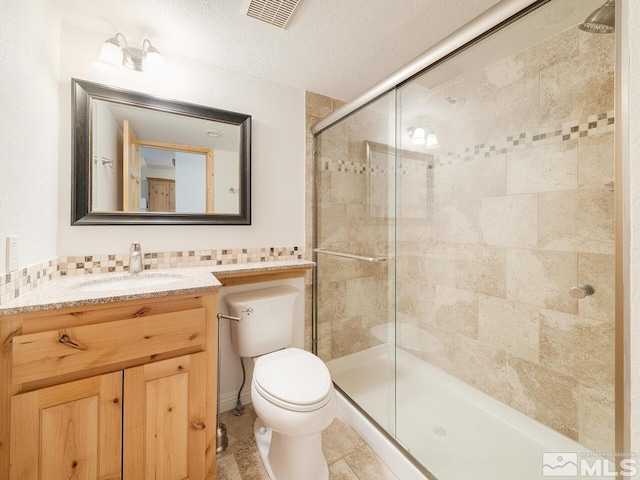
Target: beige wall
x,y
352,218
515,208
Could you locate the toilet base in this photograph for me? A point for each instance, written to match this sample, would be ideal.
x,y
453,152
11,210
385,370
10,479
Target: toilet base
x,y
294,458
262,435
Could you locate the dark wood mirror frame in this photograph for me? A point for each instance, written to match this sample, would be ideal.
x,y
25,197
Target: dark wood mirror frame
x,y
82,95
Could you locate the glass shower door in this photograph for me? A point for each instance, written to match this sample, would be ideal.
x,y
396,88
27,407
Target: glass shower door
x,y
504,204
355,273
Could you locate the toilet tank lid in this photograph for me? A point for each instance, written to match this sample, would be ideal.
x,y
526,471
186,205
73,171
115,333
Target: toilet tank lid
x,y
294,376
253,296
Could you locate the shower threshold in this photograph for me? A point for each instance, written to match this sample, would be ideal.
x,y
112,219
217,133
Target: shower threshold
x,y
454,430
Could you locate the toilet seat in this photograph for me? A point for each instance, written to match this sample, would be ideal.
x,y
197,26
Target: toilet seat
x,y
293,379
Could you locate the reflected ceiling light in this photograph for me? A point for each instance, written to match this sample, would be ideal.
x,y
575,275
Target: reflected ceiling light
x,y
419,136
432,141
116,52
602,20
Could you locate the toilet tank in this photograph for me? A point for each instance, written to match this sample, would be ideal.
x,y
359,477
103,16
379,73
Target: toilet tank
x,y
266,323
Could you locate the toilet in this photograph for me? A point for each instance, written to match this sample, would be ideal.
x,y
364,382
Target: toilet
x,y
291,389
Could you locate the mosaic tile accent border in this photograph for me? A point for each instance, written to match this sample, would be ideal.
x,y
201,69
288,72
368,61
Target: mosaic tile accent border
x,y
592,125
84,265
21,281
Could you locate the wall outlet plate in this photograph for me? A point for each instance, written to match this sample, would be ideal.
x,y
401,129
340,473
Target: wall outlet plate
x,y
12,254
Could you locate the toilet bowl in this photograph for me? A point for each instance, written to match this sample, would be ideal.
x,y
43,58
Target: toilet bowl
x,y
294,399
291,389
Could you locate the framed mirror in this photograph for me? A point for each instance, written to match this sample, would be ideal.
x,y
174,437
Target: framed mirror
x,y
141,160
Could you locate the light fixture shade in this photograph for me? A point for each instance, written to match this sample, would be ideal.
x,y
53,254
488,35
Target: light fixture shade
x,y
110,59
417,136
432,141
153,61
111,53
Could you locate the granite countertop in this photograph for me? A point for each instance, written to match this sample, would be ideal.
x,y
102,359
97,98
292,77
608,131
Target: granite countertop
x,y
80,290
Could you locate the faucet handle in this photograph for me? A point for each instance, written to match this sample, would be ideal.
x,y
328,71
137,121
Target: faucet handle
x,y
135,247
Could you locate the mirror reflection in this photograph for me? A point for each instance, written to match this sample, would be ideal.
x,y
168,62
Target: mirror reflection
x,y
151,161
145,160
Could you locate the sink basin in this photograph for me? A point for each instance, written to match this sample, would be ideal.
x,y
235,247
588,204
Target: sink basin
x,y
127,282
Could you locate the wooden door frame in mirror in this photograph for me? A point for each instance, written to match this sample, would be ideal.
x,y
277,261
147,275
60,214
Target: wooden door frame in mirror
x,y
82,94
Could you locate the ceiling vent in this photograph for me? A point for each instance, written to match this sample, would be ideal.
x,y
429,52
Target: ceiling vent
x,y
436,77
274,12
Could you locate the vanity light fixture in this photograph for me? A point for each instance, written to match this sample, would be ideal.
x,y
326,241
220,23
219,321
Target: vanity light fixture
x,y
116,52
419,136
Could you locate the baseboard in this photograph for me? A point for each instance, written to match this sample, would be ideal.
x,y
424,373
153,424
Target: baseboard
x,y
228,400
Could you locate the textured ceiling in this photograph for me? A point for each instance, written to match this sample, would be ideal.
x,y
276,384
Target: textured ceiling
x,y
338,48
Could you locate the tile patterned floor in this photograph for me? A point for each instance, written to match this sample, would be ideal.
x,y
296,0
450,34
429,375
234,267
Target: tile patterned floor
x,y
349,458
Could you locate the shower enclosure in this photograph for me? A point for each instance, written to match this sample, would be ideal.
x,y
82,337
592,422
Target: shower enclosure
x,y
458,216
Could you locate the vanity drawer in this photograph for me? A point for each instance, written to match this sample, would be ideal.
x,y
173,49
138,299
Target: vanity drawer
x,y
64,351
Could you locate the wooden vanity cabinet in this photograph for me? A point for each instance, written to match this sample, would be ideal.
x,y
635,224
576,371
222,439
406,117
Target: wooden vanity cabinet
x,y
120,390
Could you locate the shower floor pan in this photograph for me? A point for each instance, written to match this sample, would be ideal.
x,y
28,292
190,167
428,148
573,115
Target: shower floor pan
x,y
456,431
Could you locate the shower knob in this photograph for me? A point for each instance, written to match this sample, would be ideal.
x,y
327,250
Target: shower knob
x,y
581,291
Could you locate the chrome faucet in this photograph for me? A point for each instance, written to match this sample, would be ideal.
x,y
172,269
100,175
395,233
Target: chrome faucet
x,y
135,259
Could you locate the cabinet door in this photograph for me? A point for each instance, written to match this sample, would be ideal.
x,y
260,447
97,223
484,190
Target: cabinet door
x,y
164,419
73,430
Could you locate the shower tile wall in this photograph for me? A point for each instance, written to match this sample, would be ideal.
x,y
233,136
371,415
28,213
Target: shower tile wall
x,y
519,210
317,107
354,296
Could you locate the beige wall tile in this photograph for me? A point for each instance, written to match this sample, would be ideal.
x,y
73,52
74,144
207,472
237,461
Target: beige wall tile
x,y
480,269
577,221
429,343
348,336
599,272
544,395
331,225
509,326
510,221
596,419
457,311
543,169
332,300
552,51
457,221
365,295
578,347
318,105
588,42
578,87
542,278
336,268
481,365
325,341
416,298
596,161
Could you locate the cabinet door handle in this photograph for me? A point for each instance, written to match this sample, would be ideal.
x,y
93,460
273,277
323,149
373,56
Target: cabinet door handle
x,y
67,340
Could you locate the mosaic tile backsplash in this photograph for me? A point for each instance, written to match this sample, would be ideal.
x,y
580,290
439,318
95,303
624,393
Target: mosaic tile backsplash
x,y
21,281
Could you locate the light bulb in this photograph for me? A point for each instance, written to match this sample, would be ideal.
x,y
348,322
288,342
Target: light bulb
x,y
417,136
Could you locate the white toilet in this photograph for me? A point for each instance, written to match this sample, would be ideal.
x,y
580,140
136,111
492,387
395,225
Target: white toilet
x,y
291,389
